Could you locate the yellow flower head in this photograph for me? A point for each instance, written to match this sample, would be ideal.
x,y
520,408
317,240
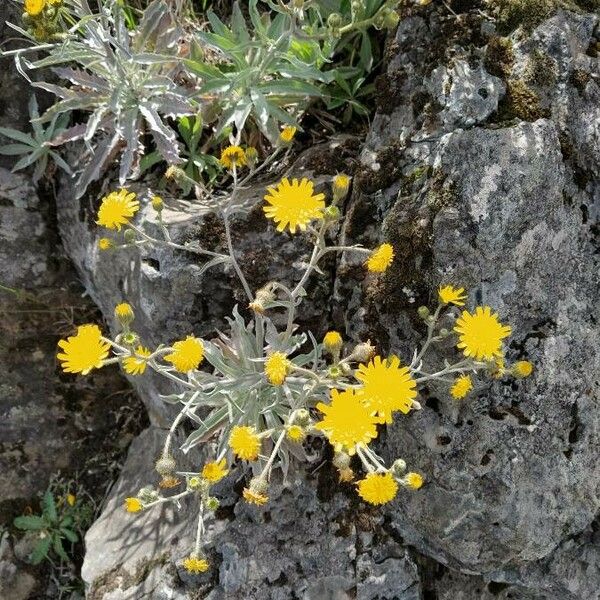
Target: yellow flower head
x,y
133,505
461,387
377,488
117,208
387,387
287,134
71,499
124,313
451,295
244,442
136,364
481,334
347,421
381,258
187,354
34,7
215,471
105,244
295,433
414,481
193,564
84,351
292,204
233,156
276,368
253,497
332,342
522,368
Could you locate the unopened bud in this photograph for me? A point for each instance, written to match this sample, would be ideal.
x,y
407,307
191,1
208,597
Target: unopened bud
x,y
302,417
194,483
212,503
341,185
423,312
341,460
124,314
331,212
157,203
334,20
129,236
147,495
251,155
165,465
399,467
363,352
443,333
128,338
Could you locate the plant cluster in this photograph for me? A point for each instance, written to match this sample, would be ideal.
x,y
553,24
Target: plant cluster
x,y
259,392
159,85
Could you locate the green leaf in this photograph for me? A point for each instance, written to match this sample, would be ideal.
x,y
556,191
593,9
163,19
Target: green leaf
x,y
70,535
366,52
238,24
15,149
40,552
13,134
30,522
49,507
59,549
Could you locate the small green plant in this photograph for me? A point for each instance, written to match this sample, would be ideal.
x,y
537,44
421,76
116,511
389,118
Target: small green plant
x,y
37,147
63,519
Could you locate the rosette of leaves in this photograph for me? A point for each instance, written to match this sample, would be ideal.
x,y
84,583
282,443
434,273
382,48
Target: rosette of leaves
x,y
125,79
236,391
266,71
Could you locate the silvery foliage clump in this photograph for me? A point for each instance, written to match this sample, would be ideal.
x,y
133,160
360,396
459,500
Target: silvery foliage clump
x,y
35,147
236,392
125,79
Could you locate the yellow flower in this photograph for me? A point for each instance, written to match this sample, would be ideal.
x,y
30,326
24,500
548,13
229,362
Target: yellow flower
x,y
253,497
187,354
233,156
377,488
293,204
71,499
381,258
451,295
276,368
117,208
215,471
387,387
193,564
522,368
124,313
244,442
414,481
481,334
34,7
133,505
105,244
347,421
84,351
295,433
461,387
498,368
287,134
332,341
136,364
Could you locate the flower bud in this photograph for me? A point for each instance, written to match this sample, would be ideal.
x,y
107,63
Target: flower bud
x,y
331,212
263,298
522,369
147,495
212,503
302,417
165,465
124,314
332,342
423,312
398,468
157,203
443,333
194,483
334,20
341,185
392,18
128,338
363,352
251,155
105,244
129,236
341,460
334,372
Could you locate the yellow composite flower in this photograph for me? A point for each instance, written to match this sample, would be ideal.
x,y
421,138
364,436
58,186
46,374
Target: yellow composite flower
x,y
133,505
293,205
461,387
277,367
381,258
233,156
124,312
481,334
117,208
71,499
253,497
244,442
295,433
287,134
34,7
451,295
136,364
377,488
215,471
187,354
413,480
522,368
341,184
84,351
193,564
347,422
387,387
